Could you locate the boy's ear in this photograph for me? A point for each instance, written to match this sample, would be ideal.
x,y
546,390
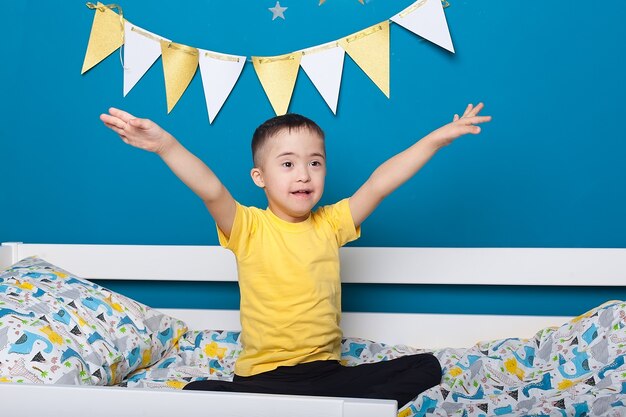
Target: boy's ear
x,y
257,177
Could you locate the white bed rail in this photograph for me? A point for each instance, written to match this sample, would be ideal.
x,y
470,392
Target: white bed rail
x,y
474,266
40,400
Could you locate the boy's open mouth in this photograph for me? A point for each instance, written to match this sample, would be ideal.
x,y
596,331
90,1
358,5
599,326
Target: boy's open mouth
x,y
301,192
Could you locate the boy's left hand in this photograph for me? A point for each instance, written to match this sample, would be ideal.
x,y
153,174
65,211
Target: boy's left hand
x,y
463,125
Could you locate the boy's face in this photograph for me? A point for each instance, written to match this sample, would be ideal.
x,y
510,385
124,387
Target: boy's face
x,y
292,172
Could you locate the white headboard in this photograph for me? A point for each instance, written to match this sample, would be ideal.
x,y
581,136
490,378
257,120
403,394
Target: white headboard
x,y
474,266
367,265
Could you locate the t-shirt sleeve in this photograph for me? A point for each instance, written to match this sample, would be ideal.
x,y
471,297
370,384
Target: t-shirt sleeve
x,y
242,227
340,219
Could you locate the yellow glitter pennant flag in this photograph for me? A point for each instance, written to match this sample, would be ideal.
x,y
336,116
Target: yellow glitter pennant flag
x,y
369,48
278,76
107,35
179,67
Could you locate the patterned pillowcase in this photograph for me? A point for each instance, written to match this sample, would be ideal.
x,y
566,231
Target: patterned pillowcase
x,y
56,328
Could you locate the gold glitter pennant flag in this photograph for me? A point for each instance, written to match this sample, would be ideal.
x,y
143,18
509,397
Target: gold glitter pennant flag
x,y
179,67
369,48
107,35
278,76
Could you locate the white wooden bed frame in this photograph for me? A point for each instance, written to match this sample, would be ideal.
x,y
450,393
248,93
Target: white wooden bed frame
x,y
454,266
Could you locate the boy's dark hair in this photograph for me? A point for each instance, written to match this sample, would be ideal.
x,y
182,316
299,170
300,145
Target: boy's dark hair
x,y
275,125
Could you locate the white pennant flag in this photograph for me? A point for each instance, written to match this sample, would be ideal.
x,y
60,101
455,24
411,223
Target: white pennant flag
x,y
324,66
427,19
141,49
219,73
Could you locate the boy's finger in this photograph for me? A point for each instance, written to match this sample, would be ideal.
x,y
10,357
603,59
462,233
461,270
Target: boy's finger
x,y
467,111
477,109
120,132
117,130
125,116
139,123
112,121
478,119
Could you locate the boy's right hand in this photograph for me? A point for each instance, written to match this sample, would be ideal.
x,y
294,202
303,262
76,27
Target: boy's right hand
x,y
140,133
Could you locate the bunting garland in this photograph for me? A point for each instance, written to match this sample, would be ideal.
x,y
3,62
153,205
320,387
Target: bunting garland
x,y
323,64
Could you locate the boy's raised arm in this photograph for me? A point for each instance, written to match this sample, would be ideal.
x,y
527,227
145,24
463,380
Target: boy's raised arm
x,y
147,135
401,167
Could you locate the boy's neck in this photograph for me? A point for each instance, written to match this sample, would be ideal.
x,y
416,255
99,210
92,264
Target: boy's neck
x,y
287,217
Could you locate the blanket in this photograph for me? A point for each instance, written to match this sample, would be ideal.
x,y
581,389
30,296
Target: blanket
x,y
576,369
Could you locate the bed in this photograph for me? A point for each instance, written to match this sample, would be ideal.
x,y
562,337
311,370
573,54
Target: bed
x,y
493,365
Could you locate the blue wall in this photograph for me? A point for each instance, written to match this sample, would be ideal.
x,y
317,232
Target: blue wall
x,y
548,171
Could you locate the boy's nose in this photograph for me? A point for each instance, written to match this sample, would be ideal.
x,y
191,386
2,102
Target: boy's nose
x,y
303,175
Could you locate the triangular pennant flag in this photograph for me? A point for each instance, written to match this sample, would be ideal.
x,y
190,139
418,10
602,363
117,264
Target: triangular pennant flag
x,y
179,67
278,77
106,36
219,74
369,48
427,19
141,49
324,66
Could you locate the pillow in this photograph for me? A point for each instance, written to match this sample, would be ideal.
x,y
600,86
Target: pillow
x,y
56,328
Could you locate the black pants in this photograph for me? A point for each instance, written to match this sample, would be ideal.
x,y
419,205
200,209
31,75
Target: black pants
x,y
399,379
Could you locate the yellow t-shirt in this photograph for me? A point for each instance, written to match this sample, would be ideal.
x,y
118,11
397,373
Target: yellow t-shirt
x,y
290,285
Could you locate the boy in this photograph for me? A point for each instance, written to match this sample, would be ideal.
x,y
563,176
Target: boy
x,y
288,255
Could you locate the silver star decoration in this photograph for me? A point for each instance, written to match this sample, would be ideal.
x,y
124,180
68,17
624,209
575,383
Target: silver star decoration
x,y
277,11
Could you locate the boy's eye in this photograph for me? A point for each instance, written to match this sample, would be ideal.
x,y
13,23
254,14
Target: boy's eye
x,y
316,163
287,164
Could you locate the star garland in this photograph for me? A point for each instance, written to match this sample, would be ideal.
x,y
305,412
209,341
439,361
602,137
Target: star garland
x,y
277,11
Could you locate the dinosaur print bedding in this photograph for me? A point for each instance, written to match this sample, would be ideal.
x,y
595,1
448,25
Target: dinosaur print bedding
x,y
56,328
576,370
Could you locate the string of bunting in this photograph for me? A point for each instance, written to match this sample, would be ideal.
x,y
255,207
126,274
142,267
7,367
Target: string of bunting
x,y
323,64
